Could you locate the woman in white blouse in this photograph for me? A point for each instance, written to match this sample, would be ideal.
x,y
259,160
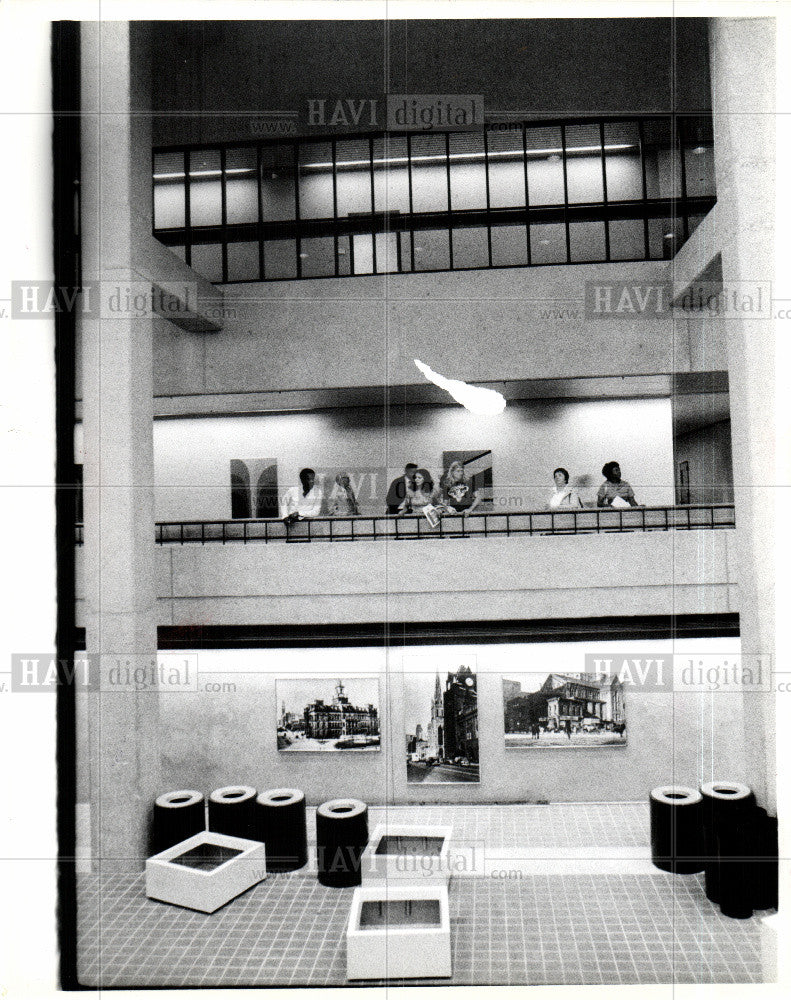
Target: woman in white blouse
x,y
565,495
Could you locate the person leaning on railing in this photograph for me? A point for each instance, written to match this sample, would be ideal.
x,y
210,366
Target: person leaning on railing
x,y
565,496
458,495
302,501
344,503
420,493
614,491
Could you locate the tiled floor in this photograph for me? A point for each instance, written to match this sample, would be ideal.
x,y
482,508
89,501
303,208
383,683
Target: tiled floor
x,y
581,928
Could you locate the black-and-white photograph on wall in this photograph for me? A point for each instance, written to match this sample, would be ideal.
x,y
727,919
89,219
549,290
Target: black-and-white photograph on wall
x,y
327,714
563,710
254,488
441,722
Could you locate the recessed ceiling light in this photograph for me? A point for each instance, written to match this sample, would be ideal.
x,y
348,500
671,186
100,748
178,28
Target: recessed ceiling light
x,y
303,256
700,149
670,236
553,158
545,242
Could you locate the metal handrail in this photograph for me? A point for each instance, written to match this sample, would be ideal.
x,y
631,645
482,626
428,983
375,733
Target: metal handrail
x,y
489,524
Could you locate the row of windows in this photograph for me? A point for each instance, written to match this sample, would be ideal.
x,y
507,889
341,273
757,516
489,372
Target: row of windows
x,y
440,249
400,203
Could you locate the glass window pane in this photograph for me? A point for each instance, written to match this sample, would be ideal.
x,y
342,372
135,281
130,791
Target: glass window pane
x,y
353,160
432,250
506,168
429,174
548,243
344,255
405,241
207,260
544,166
622,161
316,197
470,248
586,240
665,237
627,239
243,262
280,259
241,185
363,246
391,175
467,171
277,183
205,188
509,246
169,191
699,156
386,253
584,163
662,161
318,257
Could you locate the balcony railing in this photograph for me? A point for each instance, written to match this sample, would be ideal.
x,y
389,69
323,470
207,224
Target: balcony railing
x,y
585,521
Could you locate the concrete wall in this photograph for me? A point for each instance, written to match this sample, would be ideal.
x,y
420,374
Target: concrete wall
x,y
536,66
514,323
708,452
528,441
214,739
675,572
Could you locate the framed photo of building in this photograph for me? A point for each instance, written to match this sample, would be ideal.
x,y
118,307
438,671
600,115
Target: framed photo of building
x,y
563,710
441,721
254,488
327,714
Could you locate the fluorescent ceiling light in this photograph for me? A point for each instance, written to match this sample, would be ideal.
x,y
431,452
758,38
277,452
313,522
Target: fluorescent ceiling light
x,y
404,160
204,173
483,402
441,158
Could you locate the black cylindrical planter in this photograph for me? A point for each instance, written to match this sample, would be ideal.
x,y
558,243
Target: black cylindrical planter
x,y
281,825
341,838
764,852
177,816
724,802
677,829
232,811
735,865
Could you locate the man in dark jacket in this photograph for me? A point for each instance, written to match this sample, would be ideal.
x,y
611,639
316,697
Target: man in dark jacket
x,y
397,491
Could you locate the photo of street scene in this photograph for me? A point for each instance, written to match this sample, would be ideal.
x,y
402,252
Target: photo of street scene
x,y
327,714
563,710
441,718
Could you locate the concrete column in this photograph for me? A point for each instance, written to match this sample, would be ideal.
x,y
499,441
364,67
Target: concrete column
x,y
118,464
742,52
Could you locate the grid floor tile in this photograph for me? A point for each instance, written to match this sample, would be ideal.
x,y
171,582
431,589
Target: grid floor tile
x,y
549,928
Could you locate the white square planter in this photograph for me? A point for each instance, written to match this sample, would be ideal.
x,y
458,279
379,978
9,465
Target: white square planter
x,y
206,871
402,853
398,932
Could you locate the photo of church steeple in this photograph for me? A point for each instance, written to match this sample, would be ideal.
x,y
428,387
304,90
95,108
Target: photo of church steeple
x,y
443,704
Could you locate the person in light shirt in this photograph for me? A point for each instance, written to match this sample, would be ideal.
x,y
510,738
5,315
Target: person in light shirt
x,y
302,501
565,495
